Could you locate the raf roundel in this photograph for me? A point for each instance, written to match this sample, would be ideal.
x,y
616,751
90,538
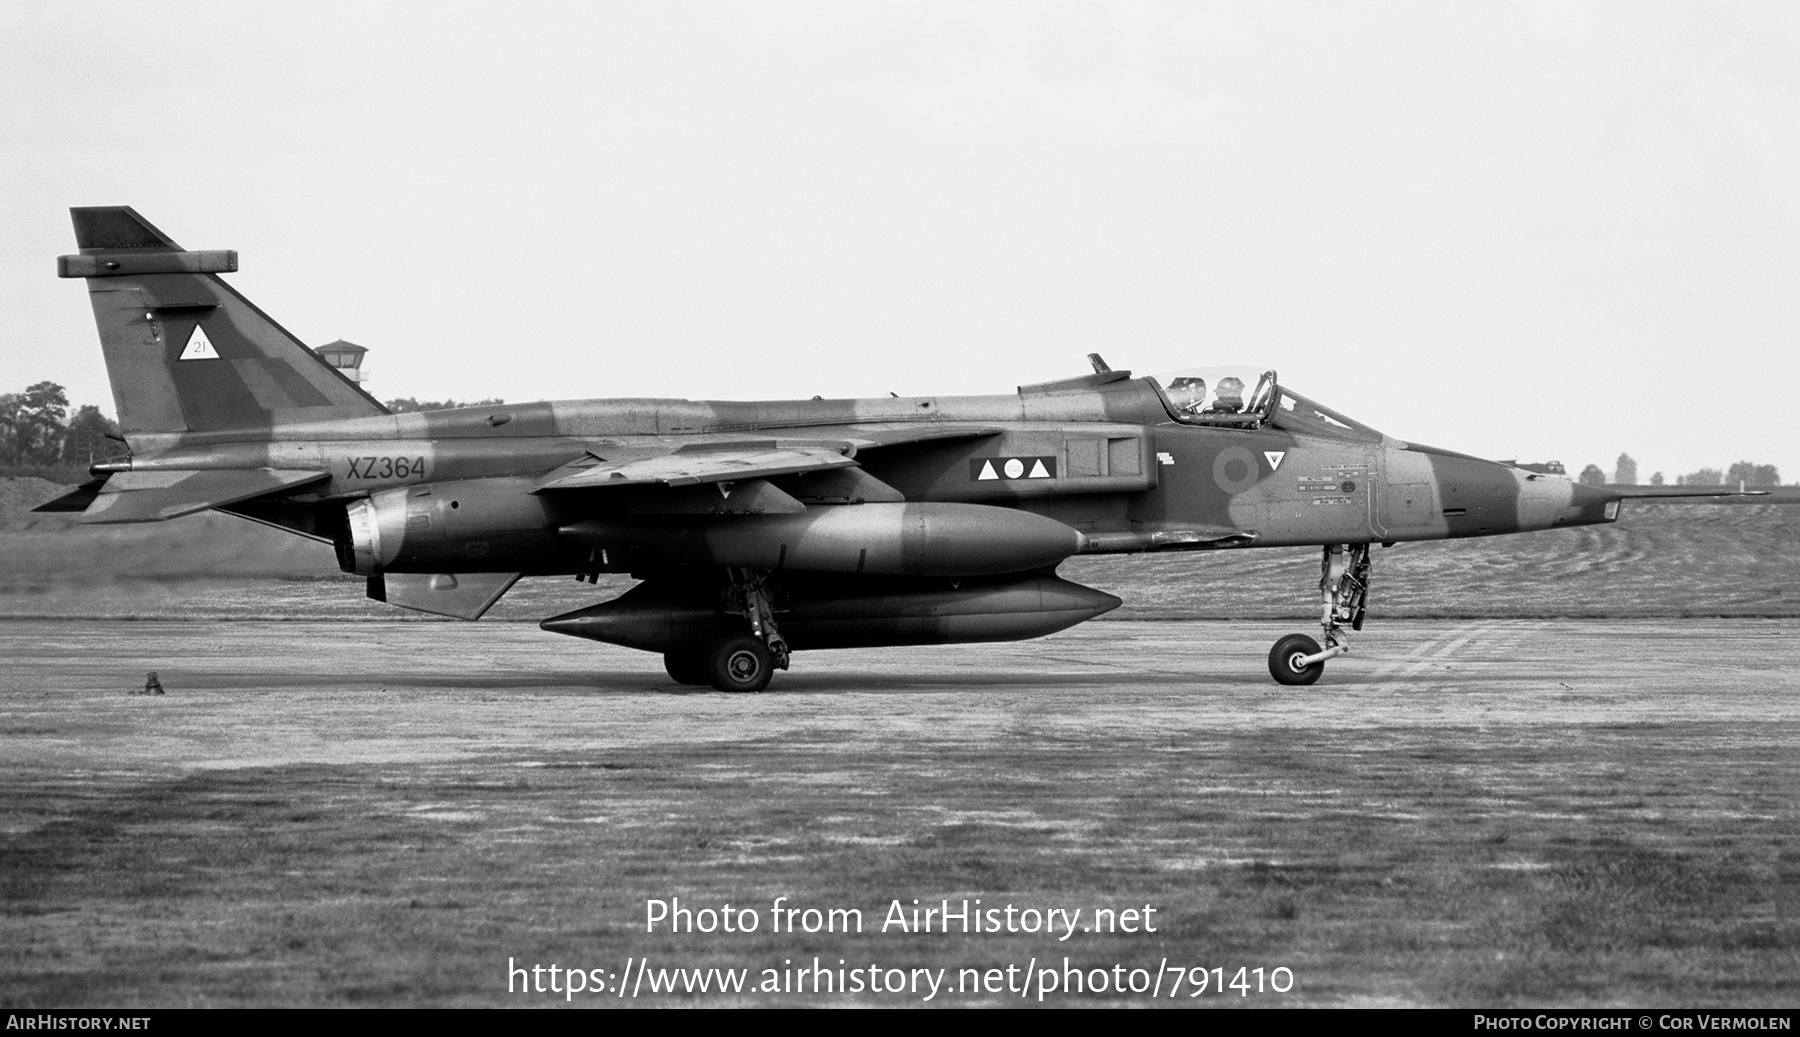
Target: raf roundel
x,y
1235,470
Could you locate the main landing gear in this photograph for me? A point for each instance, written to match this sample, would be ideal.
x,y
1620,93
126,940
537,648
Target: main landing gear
x,y
1344,590
734,660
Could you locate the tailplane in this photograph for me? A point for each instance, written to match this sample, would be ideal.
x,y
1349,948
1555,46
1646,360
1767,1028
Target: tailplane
x,y
187,353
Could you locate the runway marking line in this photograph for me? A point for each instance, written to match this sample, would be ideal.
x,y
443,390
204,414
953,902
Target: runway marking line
x,y
1444,644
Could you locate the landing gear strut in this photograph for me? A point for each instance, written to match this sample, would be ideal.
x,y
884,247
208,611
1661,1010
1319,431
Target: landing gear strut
x,y
1344,593
734,660
752,589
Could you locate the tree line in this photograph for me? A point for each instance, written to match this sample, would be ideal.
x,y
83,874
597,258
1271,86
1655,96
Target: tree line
x,y
1625,473
406,404
38,435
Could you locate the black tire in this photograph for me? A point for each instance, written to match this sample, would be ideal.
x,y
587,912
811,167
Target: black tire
x,y
740,663
687,666
1282,656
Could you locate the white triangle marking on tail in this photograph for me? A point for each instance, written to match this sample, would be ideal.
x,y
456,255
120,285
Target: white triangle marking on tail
x,y
987,471
1038,471
199,347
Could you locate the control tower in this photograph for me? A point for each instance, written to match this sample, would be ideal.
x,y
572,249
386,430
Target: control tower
x,y
347,357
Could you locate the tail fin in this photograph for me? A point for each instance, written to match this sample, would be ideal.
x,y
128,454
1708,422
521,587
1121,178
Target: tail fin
x,y
185,352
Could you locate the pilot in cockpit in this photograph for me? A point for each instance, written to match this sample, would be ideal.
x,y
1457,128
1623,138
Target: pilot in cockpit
x,y
1230,397
1187,394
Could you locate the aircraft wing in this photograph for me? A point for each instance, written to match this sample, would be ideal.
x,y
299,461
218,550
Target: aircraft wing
x,y
702,463
152,496
729,461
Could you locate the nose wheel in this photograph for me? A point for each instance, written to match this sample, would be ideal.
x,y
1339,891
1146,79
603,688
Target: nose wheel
x,y
1344,592
1287,660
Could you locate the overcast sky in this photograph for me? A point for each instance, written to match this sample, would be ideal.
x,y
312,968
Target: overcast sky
x,y
1559,230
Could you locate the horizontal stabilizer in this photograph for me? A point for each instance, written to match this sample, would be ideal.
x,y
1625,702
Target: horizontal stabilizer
x,y
690,467
152,496
76,499
458,595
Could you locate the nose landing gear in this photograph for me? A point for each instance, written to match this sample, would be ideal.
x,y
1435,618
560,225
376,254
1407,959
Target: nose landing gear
x,y
1344,589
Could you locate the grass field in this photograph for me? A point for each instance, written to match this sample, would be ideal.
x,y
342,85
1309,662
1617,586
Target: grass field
x,y
1483,813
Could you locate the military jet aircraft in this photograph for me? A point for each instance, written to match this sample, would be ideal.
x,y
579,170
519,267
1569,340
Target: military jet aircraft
x,y
759,529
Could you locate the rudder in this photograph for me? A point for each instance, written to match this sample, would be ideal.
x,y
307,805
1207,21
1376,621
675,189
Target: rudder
x,y
184,351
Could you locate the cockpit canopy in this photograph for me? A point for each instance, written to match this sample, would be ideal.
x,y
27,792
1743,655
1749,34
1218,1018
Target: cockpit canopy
x,y
1235,397
1244,397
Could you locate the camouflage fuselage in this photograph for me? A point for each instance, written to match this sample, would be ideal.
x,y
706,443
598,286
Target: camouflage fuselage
x,y
1109,462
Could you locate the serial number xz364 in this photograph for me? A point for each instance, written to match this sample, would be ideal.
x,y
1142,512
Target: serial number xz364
x,y
387,467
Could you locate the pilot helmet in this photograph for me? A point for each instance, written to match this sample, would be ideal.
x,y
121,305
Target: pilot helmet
x,y
1187,390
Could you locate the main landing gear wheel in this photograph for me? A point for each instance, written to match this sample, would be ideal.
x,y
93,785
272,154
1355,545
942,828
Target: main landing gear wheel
x,y
740,663
1284,660
687,667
